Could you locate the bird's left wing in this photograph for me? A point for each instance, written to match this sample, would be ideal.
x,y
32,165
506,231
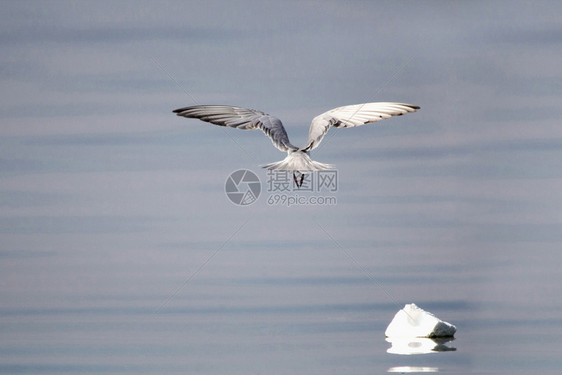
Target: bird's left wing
x,y
241,118
353,115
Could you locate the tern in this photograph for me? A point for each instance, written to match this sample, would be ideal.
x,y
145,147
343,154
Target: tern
x,y
298,159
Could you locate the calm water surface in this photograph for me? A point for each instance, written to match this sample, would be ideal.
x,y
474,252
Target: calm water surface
x,y
301,309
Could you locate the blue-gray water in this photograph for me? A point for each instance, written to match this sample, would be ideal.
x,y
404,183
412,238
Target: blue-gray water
x,y
295,307
120,252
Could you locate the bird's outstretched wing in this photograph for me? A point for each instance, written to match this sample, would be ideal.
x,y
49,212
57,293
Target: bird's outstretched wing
x,y
241,118
353,115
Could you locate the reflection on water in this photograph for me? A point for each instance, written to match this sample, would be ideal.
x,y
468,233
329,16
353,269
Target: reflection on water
x,y
409,369
418,345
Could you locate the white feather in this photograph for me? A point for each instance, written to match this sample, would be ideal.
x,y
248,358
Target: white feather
x,y
297,158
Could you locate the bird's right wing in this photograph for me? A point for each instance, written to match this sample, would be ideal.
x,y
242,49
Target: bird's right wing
x,y
353,115
241,118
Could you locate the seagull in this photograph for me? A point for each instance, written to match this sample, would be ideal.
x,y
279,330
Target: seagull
x,y
298,160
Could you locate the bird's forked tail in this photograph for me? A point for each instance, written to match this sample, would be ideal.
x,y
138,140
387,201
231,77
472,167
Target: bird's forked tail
x,y
298,161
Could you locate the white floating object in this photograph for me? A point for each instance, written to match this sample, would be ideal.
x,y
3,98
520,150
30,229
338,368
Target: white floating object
x,y
411,321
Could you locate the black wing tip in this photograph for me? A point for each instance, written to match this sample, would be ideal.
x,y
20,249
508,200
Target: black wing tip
x,y
411,106
180,110
200,106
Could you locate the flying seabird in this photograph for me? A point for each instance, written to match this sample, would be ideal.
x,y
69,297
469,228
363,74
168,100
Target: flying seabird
x,y
298,159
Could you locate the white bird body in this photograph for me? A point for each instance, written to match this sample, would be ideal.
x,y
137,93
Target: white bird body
x,y
298,159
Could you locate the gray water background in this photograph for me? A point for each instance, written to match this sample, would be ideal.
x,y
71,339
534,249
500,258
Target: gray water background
x,y
120,252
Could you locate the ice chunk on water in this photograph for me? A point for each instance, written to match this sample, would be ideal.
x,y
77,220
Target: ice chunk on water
x,y
412,321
